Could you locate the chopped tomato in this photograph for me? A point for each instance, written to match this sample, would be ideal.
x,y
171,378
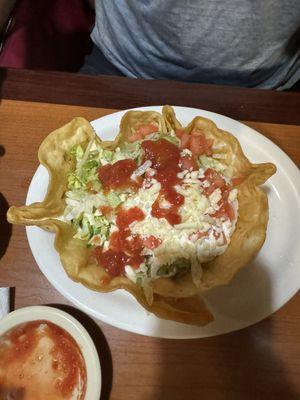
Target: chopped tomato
x,y
188,163
165,158
196,142
200,145
214,178
146,129
185,139
179,133
135,136
151,242
209,190
225,194
216,182
225,211
142,131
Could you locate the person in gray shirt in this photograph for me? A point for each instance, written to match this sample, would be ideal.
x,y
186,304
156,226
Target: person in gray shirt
x,y
251,43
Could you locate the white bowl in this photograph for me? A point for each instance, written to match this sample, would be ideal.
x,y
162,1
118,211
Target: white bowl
x,y
74,328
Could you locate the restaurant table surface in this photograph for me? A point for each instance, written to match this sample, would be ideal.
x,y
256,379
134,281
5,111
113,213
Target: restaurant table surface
x,y
259,362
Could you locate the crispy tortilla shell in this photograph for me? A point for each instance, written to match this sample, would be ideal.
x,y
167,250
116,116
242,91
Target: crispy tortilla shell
x,y
132,120
170,118
175,299
54,154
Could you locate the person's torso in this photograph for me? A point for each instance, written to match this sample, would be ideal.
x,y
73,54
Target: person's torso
x,y
239,42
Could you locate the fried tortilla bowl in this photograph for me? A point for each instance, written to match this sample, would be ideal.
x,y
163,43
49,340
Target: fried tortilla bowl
x,y
179,298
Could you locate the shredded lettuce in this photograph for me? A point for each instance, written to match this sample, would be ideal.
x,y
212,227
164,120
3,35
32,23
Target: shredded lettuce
x,y
88,226
74,182
77,152
108,155
170,137
141,278
209,162
95,185
79,202
84,229
85,171
76,222
101,227
88,170
132,150
113,199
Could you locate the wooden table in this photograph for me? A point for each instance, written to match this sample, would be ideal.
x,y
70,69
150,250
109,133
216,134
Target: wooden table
x,y
260,362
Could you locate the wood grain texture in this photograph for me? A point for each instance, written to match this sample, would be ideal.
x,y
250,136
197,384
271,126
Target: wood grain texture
x,y
260,362
122,93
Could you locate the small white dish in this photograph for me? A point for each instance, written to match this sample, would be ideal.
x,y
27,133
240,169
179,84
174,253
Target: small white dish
x,y
74,328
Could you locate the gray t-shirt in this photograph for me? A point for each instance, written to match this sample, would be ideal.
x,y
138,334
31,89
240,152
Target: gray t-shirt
x,y
253,43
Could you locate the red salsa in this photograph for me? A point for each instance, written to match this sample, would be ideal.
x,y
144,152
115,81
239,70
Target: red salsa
x,y
39,360
165,158
123,248
118,175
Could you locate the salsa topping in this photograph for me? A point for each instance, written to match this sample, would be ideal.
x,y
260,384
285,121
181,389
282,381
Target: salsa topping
x,y
162,198
165,158
123,250
161,153
117,175
43,360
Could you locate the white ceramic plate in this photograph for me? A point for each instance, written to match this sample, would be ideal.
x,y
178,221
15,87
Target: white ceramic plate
x,y
74,328
257,291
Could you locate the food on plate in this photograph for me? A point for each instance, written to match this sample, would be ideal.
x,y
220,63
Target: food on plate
x,y
165,212
40,360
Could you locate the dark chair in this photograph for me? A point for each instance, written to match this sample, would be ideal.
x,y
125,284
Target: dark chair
x,y
48,34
